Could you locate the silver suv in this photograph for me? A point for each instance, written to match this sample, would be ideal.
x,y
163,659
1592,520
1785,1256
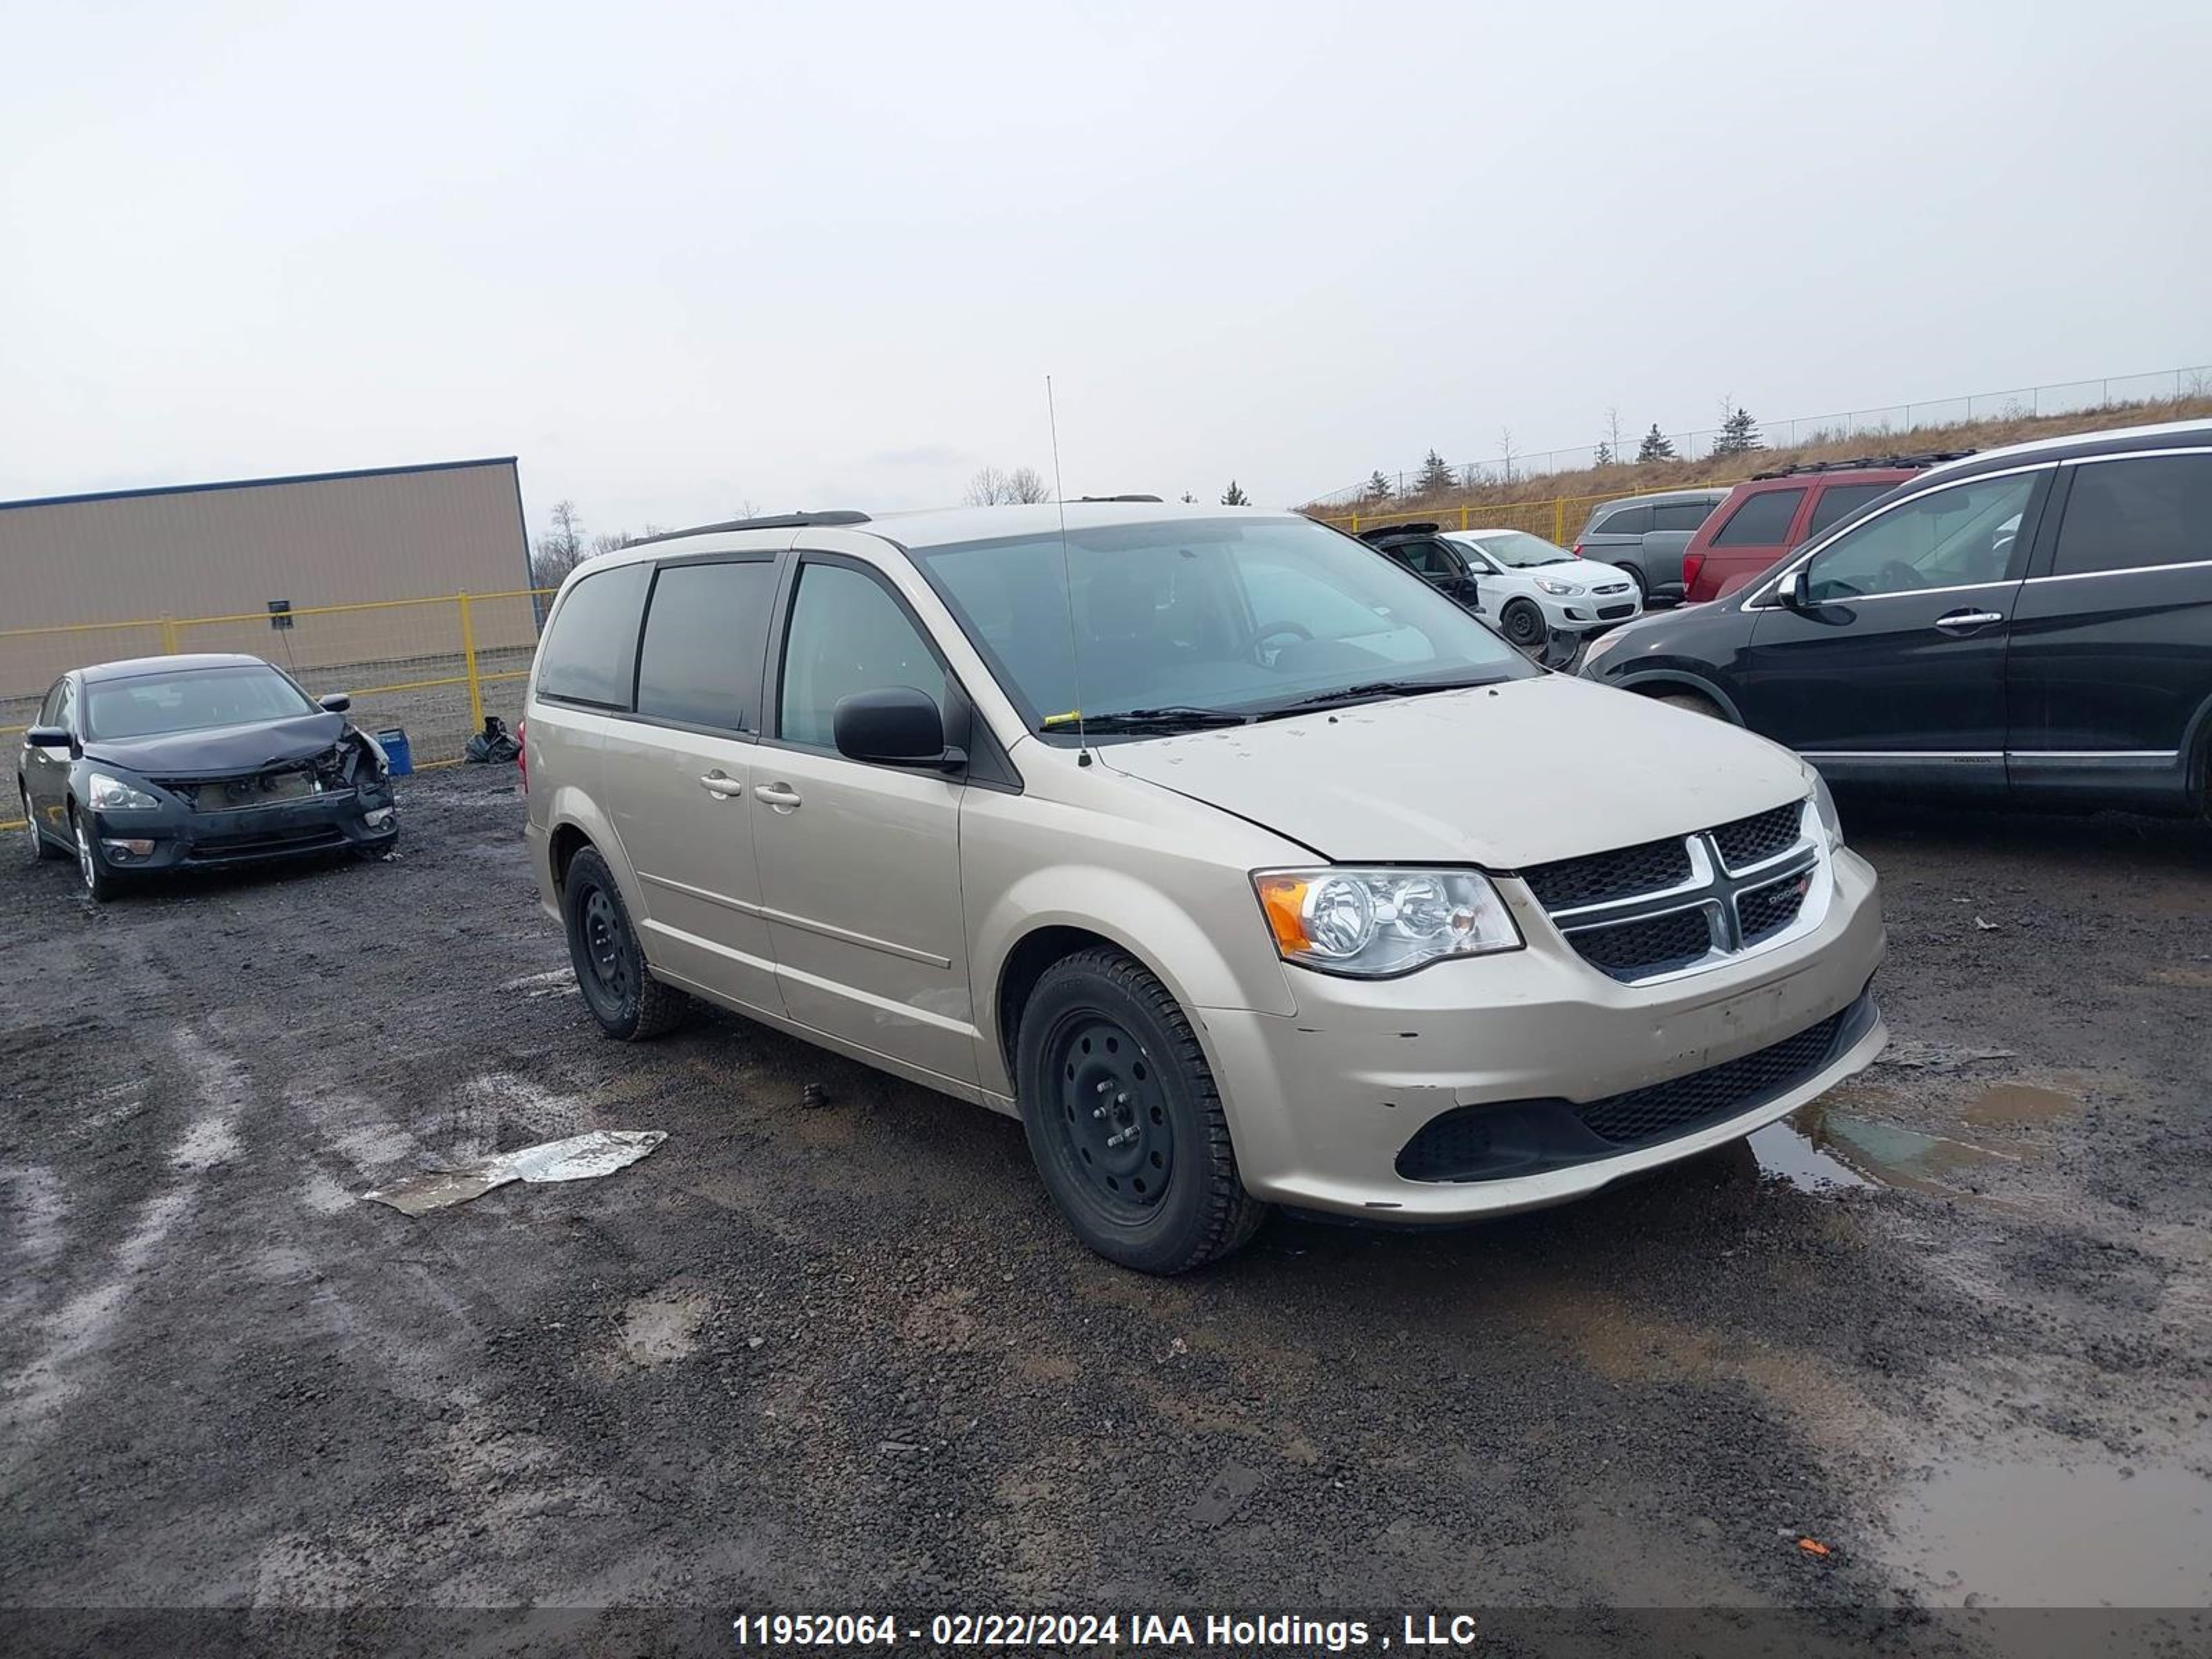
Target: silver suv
x,y
1239,864
1646,535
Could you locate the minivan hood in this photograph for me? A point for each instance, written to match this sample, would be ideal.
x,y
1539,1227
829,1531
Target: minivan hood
x,y
1516,773
222,750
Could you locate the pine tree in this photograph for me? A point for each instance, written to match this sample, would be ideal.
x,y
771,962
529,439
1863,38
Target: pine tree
x,y
1435,475
1656,446
1233,497
1603,456
1739,434
1378,487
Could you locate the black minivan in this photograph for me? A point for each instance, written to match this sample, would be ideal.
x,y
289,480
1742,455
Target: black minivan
x,y
2031,622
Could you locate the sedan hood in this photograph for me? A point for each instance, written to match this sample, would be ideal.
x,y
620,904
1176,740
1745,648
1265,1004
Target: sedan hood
x,y
224,750
1502,777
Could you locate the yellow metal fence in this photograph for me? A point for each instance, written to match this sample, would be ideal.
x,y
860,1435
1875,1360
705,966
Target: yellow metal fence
x,y
433,667
1559,519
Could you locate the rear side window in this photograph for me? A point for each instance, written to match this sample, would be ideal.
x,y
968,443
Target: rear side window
x,y
2122,515
1762,521
1839,501
1428,558
705,631
590,646
50,711
1629,521
1680,515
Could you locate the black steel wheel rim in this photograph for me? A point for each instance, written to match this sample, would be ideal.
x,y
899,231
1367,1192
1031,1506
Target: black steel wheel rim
x,y
606,958
1110,1116
1523,626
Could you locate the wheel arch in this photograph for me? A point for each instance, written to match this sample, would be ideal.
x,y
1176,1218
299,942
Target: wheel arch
x,y
1656,682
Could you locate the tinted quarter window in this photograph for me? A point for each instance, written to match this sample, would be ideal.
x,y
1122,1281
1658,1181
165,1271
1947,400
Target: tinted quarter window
x,y
2150,510
591,646
50,711
1629,521
1762,521
1956,537
847,634
1839,501
1680,515
705,631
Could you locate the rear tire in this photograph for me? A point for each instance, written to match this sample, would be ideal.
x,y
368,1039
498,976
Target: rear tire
x,y
1642,588
1123,1119
1523,623
620,990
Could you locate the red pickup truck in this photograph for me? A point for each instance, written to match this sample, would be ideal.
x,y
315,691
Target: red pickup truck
x,y
1767,516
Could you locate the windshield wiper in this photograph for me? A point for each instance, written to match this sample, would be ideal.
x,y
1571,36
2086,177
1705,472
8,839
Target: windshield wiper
x,y
1173,718
1368,692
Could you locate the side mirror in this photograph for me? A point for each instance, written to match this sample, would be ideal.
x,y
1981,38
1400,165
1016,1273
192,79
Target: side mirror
x,y
896,726
1789,591
47,736
336,703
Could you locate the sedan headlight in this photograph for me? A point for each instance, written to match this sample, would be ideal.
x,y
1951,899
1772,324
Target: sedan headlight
x,y
112,794
1824,803
1374,923
1554,586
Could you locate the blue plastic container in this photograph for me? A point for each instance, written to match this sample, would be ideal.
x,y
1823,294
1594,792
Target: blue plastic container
x,y
396,752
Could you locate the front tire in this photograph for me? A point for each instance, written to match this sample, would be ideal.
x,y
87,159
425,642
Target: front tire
x,y
1123,1119
629,1003
41,848
100,882
1523,625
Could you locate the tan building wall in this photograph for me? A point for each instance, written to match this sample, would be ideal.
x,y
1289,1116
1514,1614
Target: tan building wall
x,y
215,551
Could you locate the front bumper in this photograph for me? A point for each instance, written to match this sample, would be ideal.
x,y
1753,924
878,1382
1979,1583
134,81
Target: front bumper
x,y
185,837
1582,613
1322,1103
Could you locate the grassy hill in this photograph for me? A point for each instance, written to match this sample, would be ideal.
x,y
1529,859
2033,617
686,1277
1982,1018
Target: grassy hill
x,y
1587,485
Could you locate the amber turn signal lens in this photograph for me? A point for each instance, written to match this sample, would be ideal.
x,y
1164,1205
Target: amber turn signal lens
x,y
1284,898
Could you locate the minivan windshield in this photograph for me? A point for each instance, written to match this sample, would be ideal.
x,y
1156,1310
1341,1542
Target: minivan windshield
x,y
190,700
1519,551
1188,621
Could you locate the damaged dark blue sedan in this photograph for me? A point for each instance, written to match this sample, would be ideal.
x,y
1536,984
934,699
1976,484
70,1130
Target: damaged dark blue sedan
x,y
168,762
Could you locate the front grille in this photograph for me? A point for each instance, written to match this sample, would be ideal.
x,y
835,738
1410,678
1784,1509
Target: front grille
x,y
1633,949
1637,913
1615,612
1649,867
214,849
1681,1104
1612,587
1765,911
1758,837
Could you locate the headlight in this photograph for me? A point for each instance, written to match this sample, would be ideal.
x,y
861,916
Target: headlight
x,y
1601,646
1374,923
1551,585
1824,803
111,794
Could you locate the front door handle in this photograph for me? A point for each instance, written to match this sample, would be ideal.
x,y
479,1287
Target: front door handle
x,y
722,785
1967,622
782,796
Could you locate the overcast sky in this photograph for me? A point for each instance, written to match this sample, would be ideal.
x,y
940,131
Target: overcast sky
x,y
679,259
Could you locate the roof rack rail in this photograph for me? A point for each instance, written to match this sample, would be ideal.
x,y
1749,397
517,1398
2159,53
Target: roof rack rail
x,y
773,521
1933,458
1117,498
1426,527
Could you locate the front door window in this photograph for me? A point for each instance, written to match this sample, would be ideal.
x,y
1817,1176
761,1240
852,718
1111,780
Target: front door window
x,y
1962,537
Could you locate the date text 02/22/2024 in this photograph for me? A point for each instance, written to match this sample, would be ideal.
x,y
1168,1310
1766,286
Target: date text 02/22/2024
x,y
1332,1634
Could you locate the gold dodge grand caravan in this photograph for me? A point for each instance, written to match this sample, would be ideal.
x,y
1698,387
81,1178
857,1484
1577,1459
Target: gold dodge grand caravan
x,y
1238,863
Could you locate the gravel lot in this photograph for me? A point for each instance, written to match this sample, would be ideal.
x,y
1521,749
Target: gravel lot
x,y
844,1355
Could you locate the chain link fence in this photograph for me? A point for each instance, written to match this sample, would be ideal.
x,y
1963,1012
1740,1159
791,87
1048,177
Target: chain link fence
x,y
431,667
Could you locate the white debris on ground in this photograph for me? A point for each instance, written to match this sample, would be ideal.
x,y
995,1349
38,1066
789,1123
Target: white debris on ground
x,y
576,1158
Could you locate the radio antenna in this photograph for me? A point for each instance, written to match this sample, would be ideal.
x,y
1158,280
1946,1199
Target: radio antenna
x,y
1066,586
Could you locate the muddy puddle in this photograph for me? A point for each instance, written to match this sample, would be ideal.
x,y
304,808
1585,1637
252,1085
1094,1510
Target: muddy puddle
x,y
1820,1148
2054,1535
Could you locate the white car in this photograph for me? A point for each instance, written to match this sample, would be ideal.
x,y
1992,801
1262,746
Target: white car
x,y
1529,585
